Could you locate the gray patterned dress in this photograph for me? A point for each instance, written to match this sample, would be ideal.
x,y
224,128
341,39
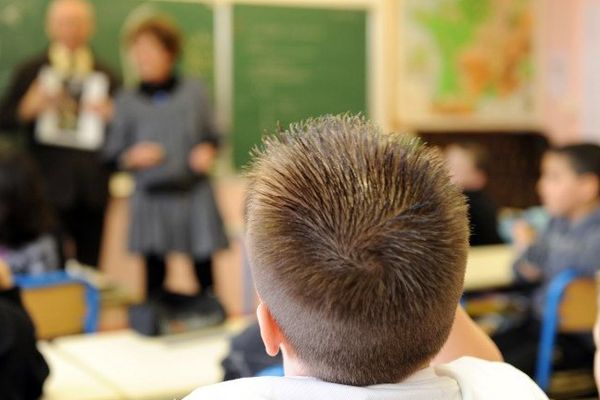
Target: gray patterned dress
x,y
172,208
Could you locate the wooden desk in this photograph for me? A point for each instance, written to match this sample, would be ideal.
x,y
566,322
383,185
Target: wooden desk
x,y
153,368
68,381
489,267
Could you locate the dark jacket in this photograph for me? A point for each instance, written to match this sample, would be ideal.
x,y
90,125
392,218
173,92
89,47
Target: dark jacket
x,y
70,175
483,219
23,370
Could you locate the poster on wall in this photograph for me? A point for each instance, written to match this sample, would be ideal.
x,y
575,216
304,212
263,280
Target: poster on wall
x,y
467,64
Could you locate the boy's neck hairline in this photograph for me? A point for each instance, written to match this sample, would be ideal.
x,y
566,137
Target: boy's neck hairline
x,y
294,367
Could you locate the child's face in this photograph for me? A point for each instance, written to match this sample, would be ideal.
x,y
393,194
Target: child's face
x,y
463,172
150,58
559,186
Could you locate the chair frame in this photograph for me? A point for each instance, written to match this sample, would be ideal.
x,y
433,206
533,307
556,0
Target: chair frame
x,y
550,323
57,278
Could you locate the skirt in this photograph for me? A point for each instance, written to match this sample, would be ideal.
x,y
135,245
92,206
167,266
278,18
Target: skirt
x,y
176,221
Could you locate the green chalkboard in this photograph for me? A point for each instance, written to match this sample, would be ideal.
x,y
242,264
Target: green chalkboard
x,y
22,32
293,63
194,19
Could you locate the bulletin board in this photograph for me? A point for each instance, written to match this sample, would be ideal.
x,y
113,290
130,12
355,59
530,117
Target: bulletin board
x,y
468,64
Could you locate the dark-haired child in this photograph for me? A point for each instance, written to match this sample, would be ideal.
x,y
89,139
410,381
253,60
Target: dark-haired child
x,y
28,241
570,191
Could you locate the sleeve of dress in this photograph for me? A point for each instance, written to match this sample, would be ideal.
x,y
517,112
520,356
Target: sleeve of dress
x,y
119,135
208,129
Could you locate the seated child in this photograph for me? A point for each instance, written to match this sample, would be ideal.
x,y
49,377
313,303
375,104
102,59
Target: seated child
x,y
27,243
468,165
570,191
23,370
358,246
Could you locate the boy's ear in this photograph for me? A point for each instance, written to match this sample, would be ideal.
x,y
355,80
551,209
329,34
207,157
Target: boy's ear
x,y
270,332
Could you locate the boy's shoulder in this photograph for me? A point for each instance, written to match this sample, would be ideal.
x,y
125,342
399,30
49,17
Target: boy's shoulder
x,y
483,379
466,378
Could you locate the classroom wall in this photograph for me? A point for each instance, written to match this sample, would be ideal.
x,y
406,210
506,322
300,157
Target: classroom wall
x,y
468,65
571,70
565,60
564,79
212,52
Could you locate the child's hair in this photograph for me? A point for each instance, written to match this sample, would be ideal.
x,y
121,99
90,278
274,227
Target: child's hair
x,y
161,27
358,244
584,158
24,214
478,153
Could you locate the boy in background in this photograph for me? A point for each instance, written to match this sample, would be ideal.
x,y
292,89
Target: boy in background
x,y
469,165
570,191
358,244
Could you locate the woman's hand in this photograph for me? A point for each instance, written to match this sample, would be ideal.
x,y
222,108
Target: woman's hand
x,y
104,109
202,158
144,155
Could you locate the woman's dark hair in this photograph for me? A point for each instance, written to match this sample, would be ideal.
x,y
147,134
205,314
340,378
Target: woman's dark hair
x,y
24,213
161,27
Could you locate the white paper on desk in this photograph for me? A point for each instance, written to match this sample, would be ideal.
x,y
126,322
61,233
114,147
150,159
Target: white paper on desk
x,y
67,124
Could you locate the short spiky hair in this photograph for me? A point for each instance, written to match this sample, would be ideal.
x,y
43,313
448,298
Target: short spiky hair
x,y
358,244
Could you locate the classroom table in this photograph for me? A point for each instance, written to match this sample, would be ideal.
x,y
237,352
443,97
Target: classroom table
x,y
146,368
68,381
489,267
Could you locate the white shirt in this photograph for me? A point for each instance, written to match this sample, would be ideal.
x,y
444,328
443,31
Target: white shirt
x,y
464,379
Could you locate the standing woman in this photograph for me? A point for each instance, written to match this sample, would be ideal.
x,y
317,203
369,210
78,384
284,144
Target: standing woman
x,y
163,131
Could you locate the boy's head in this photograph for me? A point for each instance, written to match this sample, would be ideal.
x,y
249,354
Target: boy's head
x,y
570,180
468,164
358,246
